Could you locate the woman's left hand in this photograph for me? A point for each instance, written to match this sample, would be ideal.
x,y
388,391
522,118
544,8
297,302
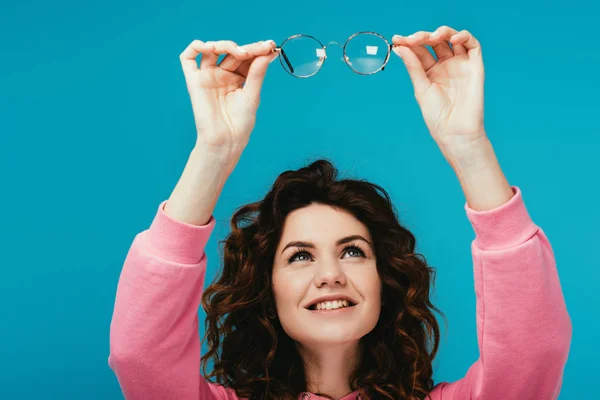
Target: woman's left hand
x,y
449,90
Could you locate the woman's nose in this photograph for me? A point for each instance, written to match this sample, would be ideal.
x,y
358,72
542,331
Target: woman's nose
x,y
330,274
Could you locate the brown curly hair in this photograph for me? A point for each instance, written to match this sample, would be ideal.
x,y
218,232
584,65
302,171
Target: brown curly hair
x,y
247,346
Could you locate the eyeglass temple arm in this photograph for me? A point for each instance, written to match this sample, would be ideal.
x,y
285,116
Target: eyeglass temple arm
x,y
286,59
391,48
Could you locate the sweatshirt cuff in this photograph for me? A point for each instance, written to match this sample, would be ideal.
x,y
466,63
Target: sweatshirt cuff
x,y
502,227
177,241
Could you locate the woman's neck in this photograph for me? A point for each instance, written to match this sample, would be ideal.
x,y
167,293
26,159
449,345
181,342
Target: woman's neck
x,y
328,367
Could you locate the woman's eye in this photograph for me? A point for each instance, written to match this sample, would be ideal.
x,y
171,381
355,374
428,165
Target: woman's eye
x,y
299,256
354,252
302,257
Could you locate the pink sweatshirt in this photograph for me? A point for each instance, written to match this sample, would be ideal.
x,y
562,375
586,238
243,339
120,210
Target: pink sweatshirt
x,y
523,328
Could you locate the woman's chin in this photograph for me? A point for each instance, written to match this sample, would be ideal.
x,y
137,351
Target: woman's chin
x,y
331,334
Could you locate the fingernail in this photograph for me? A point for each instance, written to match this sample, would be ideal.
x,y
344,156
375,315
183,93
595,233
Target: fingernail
x,y
270,42
397,52
396,37
209,43
242,49
274,58
433,34
411,36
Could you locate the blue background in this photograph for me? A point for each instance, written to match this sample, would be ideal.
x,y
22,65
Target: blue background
x,y
96,126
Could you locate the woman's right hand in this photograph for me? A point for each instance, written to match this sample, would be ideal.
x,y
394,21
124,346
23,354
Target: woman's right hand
x,y
225,97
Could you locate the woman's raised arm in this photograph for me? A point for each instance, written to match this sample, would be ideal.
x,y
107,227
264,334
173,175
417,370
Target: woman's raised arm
x,y
154,339
523,328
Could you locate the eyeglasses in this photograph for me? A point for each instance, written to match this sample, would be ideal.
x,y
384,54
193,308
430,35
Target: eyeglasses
x,y
366,53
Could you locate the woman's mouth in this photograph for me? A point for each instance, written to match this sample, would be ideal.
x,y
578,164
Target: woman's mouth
x,y
331,305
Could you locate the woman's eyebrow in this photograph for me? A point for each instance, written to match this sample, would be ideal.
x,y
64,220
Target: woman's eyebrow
x,y
339,242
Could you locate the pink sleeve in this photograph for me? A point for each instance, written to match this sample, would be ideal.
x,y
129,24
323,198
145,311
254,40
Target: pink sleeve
x,y
523,328
154,338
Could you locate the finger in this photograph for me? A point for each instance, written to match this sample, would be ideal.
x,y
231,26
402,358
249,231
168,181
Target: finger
x,y
445,33
416,42
209,58
188,57
439,39
232,63
244,68
415,68
222,47
256,76
468,41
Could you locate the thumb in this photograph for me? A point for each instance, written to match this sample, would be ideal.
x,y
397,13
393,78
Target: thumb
x,y
415,69
256,76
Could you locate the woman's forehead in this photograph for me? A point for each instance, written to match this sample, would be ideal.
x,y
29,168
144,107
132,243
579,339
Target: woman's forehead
x,y
321,223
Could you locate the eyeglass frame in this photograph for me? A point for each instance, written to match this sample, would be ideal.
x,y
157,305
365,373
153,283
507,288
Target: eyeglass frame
x,y
281,52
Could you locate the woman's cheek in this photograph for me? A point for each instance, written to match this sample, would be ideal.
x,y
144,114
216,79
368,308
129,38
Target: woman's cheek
x,y
289,286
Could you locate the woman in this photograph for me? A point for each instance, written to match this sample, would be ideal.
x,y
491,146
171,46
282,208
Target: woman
x,y
321,294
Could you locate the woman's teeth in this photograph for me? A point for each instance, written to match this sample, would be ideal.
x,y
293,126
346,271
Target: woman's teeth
x,y
332,305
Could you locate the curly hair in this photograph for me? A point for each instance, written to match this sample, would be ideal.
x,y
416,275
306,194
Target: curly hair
x,y
247,345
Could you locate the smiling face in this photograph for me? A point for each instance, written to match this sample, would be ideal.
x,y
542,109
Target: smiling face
x,y
326,254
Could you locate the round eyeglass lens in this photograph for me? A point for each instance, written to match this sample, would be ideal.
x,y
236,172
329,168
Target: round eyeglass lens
x,y
302,56
366,53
